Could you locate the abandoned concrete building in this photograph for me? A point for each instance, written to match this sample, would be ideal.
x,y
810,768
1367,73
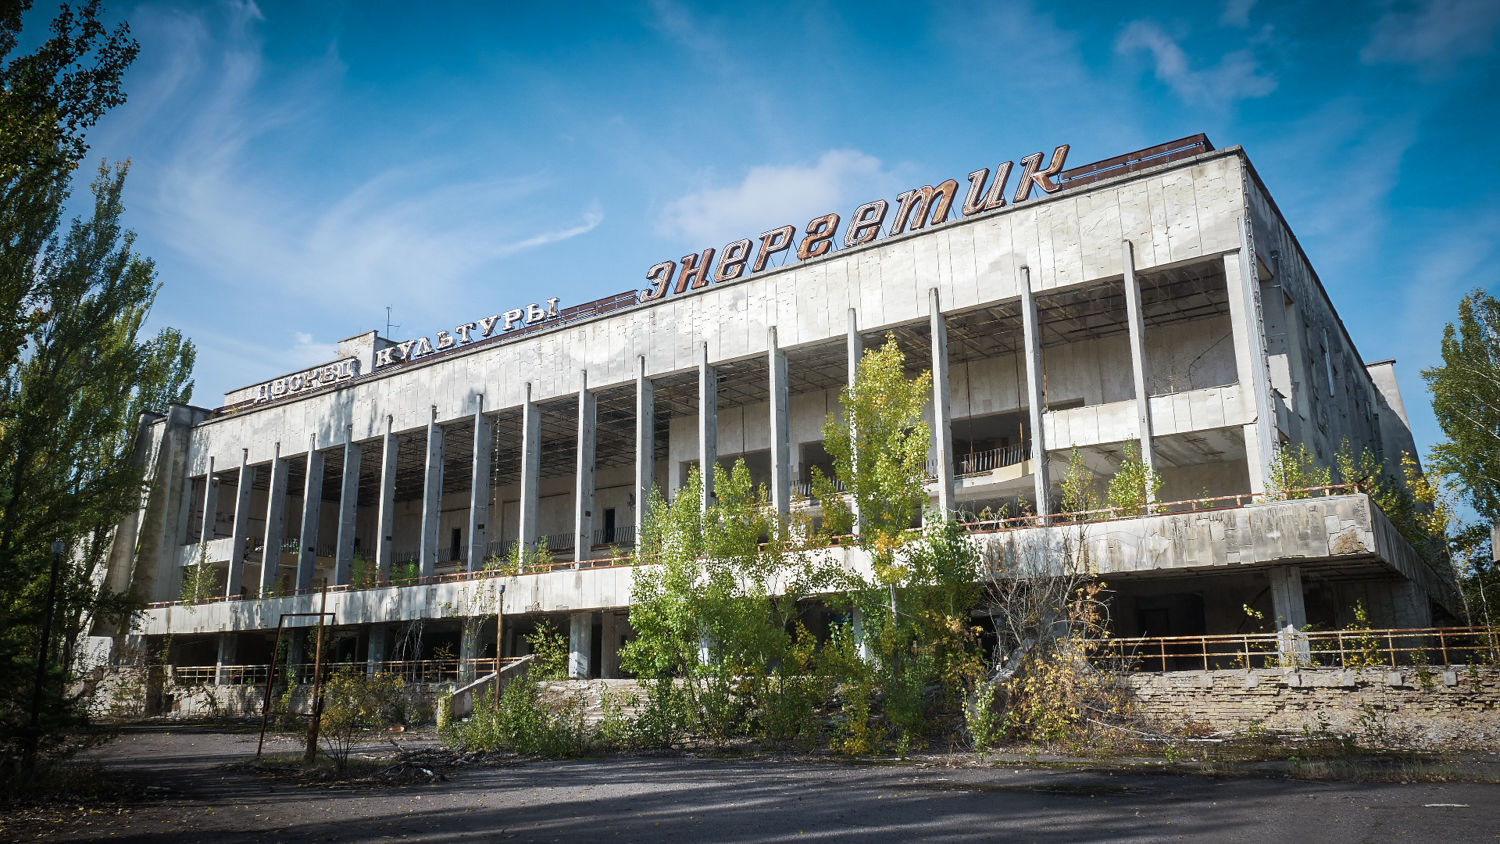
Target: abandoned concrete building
x,y
1158,298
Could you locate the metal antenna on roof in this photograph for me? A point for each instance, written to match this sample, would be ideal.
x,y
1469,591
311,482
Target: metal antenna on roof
x,y
388,324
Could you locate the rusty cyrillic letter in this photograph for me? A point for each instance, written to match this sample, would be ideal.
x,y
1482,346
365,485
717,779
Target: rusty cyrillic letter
x,y
776,240
661,276
732,262
978,200
1041,178
916,204
819,237
694,270
865,225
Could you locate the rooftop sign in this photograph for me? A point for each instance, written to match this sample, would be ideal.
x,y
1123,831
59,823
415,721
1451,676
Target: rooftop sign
x,y
467,333
914,210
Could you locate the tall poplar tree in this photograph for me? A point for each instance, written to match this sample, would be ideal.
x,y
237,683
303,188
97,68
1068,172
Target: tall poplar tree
x,y
77,368
1466,400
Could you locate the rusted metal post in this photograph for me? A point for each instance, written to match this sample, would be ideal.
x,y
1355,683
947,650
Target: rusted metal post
x,y
317,710
265,709
499,639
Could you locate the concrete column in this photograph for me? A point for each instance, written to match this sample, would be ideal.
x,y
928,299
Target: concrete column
x,y
210,504
645,446
531,469
1138,360
1290,612
432,497
583,490
270,565
854,352
781,438
312,506
1033,341
468,650
1253,370
580,638
609,651
942,411
377,648
1411,605
861,640
343,560
240,534
479,488
708,422
385,551
228,643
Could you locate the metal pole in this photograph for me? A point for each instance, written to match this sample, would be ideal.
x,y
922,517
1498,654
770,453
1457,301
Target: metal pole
x,y
499,641
34,728
265,709
317,709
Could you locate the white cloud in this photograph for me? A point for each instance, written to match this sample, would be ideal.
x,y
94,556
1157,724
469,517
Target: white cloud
x,y
1434,34
774,195
1236,76
429,222
1236,13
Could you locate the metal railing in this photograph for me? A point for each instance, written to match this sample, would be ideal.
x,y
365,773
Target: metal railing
x,y
1160,508
1130,162
979,462
410,670
1430,647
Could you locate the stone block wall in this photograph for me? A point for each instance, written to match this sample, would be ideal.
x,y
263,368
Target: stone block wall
x,y
1453,708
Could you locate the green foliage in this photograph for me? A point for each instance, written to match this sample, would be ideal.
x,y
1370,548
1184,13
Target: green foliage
x,y
76,298
521,559
549,647
523,722
406,574
1294,470
1417,506
1080,489
364,573
1466,401
717,606
354,703
1363,649
879,447
1134,484
199,580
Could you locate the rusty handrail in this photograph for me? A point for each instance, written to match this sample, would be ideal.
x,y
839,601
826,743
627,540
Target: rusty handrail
x,y
1387,648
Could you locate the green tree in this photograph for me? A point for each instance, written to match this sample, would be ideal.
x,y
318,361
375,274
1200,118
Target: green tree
x,y
1293,471
48,100
1466,400
1080,489
879,448
715,604
1133,485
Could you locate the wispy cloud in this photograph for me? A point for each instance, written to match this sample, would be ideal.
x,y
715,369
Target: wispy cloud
x,y
425,221
1433,34
1237,75
1236,13
773,195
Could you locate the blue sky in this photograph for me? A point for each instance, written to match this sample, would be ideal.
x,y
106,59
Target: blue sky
x,y
300,166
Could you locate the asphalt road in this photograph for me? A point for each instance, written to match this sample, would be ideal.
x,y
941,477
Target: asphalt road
x,y
694,799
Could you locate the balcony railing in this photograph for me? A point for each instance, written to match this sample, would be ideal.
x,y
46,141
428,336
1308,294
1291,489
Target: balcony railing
x,y
410,670
1418,648
980,462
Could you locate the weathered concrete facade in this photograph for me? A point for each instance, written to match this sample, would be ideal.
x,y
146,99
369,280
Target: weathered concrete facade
x,y
1169,307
